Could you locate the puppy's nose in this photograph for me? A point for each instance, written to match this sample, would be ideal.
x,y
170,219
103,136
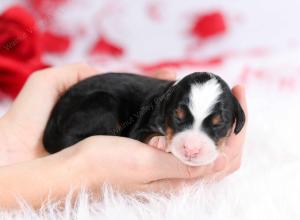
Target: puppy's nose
x,y
191,152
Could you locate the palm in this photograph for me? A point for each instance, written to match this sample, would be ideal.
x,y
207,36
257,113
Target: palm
x,y
27,118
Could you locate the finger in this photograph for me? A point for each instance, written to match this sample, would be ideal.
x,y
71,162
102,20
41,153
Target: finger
x,y
234,165
158,142
62,78
49,83
154,141
150,164
220,163
239,92
235,142
166,166
167,185
165,74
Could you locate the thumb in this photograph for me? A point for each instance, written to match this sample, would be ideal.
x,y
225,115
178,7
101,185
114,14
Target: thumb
x,y
167,166
167,185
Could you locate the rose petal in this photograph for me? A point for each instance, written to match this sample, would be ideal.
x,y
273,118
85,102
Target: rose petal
x,y
105,47
209,25
55,43
154,11
180,63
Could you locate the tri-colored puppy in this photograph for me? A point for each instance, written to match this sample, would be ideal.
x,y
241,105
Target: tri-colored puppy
x,y
190,117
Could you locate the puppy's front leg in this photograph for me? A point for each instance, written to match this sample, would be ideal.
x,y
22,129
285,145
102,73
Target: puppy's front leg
x,y
159,142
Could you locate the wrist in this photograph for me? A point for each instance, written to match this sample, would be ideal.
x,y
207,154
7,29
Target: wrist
x,y
96,165
8,149
13,148
4,137
79,161
64,172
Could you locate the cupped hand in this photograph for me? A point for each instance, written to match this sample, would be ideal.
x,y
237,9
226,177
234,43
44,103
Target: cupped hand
x,y
132,166
231,153
23,126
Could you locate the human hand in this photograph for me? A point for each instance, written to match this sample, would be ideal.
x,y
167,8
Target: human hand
x,y
231,153
124,163
132,166
23,125
23,130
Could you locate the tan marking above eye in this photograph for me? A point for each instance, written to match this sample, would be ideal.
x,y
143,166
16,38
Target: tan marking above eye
x,y
216,119
180,113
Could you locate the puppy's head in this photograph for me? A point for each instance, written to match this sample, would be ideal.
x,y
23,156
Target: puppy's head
x,y
200,113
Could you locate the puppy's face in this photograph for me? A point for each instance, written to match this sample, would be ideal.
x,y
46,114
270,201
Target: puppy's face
x,y
200,114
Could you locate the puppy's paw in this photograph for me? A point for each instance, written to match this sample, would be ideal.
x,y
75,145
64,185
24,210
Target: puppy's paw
x,y
159,142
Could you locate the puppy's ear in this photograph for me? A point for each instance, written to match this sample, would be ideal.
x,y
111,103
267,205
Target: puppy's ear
x,y
239,115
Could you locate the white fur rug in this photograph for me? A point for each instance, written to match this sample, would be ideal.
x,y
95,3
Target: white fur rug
x,y
267,186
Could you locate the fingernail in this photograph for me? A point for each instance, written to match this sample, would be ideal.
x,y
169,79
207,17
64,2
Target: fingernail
x,y
220,163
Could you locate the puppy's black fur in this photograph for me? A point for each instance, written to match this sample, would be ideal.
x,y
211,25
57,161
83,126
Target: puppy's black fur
x,y
133,106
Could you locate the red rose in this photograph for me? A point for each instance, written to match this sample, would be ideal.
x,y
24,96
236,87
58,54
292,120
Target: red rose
x,y
19,37
20,49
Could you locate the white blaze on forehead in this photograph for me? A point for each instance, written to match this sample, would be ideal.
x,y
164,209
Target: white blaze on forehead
x,y
203,97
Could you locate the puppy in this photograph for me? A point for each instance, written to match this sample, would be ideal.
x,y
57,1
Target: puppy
x,y
194,115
